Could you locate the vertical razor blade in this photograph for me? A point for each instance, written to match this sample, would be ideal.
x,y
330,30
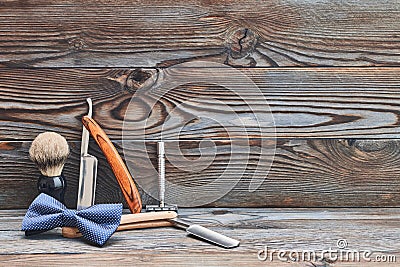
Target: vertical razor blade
x,y
87,182
88,170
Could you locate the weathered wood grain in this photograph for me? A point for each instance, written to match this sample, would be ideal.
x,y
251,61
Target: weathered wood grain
x,y
286,229
306,103
20,184
53,33
304,173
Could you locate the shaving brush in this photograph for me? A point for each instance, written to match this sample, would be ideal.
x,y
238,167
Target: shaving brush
x,y
49,151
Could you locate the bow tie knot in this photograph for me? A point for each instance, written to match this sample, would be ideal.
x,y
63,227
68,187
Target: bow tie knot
x,y
96,223
69,217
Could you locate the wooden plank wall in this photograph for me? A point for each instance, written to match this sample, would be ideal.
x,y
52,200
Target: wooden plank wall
x,y
329,71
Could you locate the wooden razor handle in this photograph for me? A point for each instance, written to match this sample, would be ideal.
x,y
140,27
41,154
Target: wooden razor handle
x,y
72,232
118,166
147,216
133,221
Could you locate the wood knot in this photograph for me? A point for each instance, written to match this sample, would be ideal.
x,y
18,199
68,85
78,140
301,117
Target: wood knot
x,y
133,80
241,42
368,145
136,79
77,44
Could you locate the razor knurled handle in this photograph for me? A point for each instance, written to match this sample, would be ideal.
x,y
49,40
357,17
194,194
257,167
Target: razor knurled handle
x,y
117,165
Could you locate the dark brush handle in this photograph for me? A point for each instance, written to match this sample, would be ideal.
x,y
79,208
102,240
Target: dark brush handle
x,y
54,186
118,166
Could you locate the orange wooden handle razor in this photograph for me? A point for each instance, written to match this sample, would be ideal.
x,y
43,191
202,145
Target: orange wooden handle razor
x,y
118,166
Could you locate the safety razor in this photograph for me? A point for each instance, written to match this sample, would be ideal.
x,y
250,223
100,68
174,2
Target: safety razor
x,y
161,183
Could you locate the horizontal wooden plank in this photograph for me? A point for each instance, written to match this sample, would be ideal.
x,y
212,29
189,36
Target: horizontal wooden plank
x,y
304,173
306,103
51,33
278,229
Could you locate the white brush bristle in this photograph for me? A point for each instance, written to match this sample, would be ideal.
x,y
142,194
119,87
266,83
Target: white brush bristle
x,y
49,151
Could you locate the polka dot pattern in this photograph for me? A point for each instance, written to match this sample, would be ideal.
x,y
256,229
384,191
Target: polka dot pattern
x,y
96,223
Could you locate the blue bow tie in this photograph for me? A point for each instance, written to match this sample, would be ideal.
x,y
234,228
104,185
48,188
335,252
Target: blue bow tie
x,y
96,223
